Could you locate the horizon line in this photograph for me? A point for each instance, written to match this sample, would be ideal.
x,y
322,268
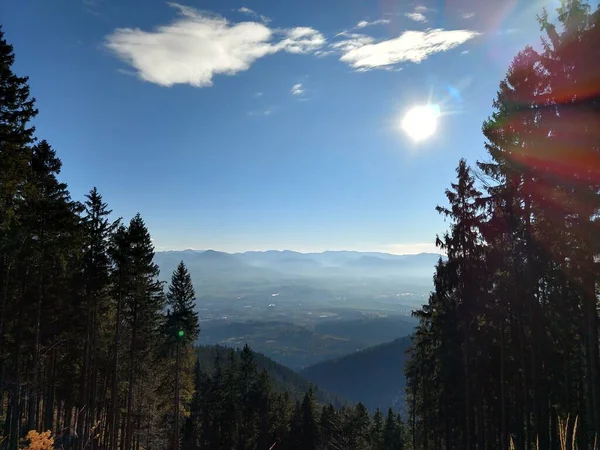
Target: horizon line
x,y
296,251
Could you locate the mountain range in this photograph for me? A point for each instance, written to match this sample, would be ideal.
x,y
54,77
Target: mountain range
x,y
271,265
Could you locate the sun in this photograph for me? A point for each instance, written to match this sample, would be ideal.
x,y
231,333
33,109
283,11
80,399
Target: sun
x,y
420,122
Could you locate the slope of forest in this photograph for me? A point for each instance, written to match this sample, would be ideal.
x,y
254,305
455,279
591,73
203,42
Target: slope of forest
x,y
374,376
297,346
237,405
283,379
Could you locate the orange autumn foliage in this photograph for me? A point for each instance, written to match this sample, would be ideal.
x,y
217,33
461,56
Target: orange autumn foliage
x,y
39,441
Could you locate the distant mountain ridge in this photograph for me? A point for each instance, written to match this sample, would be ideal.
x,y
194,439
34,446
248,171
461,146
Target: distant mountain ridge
x,y
291,253
286,264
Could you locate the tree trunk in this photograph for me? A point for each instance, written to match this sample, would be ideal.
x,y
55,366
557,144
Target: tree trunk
x,y
466,374
34,388
91,427
131,383
593,355
114,428
503,434
50,394
5,284
177,370
15,404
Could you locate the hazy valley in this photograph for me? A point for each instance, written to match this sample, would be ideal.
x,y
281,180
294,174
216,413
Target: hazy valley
x,y
300,309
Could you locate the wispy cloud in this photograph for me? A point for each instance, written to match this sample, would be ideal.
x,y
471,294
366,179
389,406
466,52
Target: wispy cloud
x,y
248,11
353,41
418,14
91,6
323,53
252,13
262,112
196,47
363,53
258,94
467,15
417,17
297,89
364,23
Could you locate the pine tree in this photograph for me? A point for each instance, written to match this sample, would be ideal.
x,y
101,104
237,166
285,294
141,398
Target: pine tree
x,y
309,425
119,254
98,231
17,109
376,433
51,219
262,400
393,438
16,135
143,308
182,329
248,378
515,303
330,426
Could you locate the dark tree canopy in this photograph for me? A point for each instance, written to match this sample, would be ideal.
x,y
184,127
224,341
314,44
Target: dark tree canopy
x,y
507,346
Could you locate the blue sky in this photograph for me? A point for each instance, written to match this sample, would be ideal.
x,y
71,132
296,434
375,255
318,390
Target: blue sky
x,y
249,125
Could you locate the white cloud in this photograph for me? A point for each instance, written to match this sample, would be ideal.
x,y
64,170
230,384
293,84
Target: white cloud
x,y
467,15
353,41
418,14
301,40
248,11
362,53
252,13
297,89
323,53
364,23
417,17
196,47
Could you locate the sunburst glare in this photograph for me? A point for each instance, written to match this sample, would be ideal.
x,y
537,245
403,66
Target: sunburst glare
x,y
420,122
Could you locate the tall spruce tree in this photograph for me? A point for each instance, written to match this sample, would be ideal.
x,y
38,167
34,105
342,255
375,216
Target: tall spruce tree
x,y
143,306
17,109
517,296
182,329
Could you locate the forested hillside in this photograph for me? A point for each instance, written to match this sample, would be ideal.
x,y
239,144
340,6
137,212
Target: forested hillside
x,y
282,378
373,376
507,345
236,405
